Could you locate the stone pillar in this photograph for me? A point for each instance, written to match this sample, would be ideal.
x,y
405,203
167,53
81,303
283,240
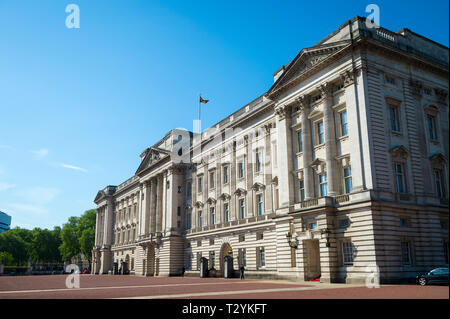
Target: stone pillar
x,y
143,211
164,207
284,159
268,207
304,102
233,171
152,206
97,225
249,171
158,214
330,138
354,123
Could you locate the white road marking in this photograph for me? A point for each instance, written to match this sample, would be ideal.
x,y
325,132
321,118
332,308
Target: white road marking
x,y
119,287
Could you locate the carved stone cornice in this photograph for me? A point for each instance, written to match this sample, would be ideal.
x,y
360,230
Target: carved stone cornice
x,y
303,102
441,94
416,87
348,77
281,111
325,90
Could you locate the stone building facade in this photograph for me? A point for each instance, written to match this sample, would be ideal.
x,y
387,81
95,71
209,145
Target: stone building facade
x,y
339,169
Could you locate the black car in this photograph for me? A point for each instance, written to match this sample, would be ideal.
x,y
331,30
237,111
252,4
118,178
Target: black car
x,y
435,276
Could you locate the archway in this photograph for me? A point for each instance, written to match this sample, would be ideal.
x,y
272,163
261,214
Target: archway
x,y
225,250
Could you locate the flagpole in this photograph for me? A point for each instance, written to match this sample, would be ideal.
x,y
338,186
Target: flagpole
x,y
199,125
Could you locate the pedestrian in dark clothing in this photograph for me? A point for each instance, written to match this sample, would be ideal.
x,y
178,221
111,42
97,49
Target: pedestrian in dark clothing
x,y
241,270
182,272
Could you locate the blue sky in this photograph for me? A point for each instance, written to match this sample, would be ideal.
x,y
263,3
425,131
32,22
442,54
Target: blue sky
x,y
78,106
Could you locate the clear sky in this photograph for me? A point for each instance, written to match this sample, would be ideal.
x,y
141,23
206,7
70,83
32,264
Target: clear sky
x,y
78,106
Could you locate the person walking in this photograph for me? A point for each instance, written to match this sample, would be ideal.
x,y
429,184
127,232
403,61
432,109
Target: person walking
x,y
241,270
182,271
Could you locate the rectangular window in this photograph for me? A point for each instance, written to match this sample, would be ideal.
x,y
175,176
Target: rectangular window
x,y
212,180
241,169
348,179
400,178
406,254
394,118
312,225
262,256
403,222
200,184
242,208
343,117
323,185
213,215
200,219
188,189
446,252
347,251
188,220
259,199
438,182
259,236
258,161
344,223
320,133
226,171
226,211
302,189
300,141
390,80
431,122
244,258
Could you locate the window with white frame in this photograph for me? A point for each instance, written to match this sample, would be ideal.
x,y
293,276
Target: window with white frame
x,y
348,179
301,186
262,257
347,253
320,138
200,184
226,212
188,220
394,118
200,219
400,181
242,208
258,156
431,124
299,141
213,215
226,174
343,122
259,200
323,184
241,166
212,180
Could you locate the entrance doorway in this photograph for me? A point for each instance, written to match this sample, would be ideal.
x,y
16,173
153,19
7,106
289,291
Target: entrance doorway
x,y
311,253
225,251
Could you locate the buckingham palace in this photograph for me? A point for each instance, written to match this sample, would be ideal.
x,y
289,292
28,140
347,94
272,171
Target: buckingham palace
x,y
338,170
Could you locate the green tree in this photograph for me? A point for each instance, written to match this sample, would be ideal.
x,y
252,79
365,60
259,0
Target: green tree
x,y
17,242
45,245
70,245
6,258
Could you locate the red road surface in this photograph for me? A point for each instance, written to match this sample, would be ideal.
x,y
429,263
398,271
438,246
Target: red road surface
x,y
53,287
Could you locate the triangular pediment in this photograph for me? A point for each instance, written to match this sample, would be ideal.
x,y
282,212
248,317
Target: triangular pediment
x,y
151,155
305,61
399,151
99,196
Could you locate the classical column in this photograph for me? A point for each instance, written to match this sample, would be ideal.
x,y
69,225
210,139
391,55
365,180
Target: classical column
x,y
249,171
354,123
304,102
152,206
284,158
330,138
268,170
158,214
97,225
233,169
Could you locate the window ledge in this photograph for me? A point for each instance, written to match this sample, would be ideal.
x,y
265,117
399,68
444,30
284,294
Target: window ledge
x,y
436,142
396,133
299,153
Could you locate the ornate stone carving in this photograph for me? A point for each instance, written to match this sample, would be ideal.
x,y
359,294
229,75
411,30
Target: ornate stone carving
x,y
348,77
416,87
303,102
281,111
325,90
441,94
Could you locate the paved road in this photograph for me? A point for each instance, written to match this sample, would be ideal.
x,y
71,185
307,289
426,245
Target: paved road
x,y
53,287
